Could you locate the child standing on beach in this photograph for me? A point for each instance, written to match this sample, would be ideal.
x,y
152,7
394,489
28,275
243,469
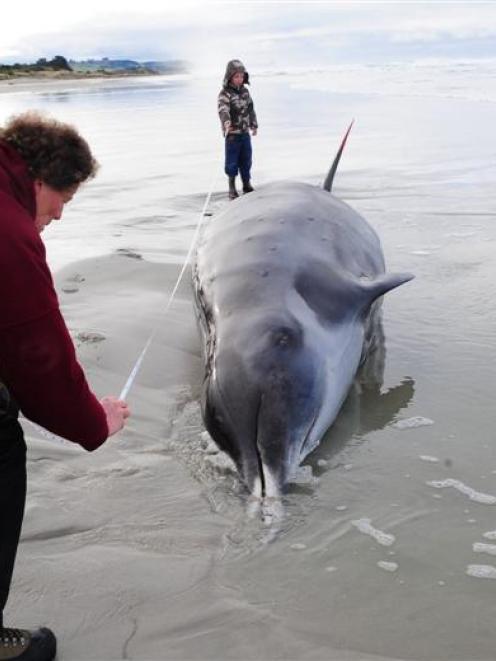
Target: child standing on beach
x,y
237,118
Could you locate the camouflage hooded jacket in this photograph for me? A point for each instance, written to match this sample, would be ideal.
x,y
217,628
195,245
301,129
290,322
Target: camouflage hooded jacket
x,y
236,110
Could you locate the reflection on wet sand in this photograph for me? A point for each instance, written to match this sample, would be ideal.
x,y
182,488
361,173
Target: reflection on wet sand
x,y
367,408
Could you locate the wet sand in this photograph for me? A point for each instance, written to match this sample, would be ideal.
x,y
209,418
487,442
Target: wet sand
x,y
143,549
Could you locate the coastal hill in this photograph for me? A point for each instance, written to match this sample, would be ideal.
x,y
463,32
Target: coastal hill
x,y
60,67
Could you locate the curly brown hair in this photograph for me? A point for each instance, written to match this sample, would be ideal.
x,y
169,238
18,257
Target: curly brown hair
x,y
54,152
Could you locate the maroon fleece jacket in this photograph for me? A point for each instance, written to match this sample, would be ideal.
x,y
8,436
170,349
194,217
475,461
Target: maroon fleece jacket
x,y
37,358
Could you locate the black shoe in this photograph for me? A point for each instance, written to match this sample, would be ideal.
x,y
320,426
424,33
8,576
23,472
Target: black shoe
x,y
233,193
247,187
22,645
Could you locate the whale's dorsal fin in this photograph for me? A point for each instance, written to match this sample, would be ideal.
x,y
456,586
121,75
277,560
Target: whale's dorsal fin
x,y
330,176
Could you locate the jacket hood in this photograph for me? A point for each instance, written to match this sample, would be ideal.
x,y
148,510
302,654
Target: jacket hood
x,y
15,179
233,66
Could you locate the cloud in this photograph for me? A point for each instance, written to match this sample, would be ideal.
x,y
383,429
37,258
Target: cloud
x,y
264,34
399,21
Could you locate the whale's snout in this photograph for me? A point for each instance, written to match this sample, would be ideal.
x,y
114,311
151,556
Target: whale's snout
x,y
263,417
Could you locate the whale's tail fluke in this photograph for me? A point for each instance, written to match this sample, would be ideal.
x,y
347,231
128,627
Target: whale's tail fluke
x,y
330,176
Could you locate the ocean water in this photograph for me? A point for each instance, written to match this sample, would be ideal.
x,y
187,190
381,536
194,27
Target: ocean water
x,y
381,550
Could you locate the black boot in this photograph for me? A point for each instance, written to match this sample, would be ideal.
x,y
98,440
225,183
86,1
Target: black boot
x,y
233,193
247,187
22,645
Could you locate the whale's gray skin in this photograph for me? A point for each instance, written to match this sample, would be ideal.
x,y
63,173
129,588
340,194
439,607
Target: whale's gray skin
x,y
288,283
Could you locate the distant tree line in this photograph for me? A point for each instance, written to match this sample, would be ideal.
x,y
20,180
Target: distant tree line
x,y
57,63
93,66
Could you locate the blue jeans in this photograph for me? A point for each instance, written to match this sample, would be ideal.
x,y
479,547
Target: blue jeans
x,y
238,155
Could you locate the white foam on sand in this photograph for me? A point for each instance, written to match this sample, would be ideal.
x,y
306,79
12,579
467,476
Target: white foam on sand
x,y
365,527
476,496
480,547
388,566
461,235
412,423
304,475
481,571
490,534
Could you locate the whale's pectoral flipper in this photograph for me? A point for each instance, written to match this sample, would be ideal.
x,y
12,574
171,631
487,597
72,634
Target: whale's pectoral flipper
x,y
381,285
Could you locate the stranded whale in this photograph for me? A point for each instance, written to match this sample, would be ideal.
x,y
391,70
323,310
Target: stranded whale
x,y
288,283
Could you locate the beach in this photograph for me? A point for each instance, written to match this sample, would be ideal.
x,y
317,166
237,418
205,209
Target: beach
x,y
143,550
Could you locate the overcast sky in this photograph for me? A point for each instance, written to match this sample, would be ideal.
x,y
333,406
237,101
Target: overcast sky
x,y
265,34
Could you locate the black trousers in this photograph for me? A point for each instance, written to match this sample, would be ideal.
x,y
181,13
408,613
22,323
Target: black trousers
x,y
12,491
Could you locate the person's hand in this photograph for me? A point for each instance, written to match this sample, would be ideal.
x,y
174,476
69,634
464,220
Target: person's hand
x,y
227,128
254,131
116,411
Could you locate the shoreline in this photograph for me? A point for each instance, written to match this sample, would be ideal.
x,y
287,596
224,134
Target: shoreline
x,y
60,82
62,73
75,75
